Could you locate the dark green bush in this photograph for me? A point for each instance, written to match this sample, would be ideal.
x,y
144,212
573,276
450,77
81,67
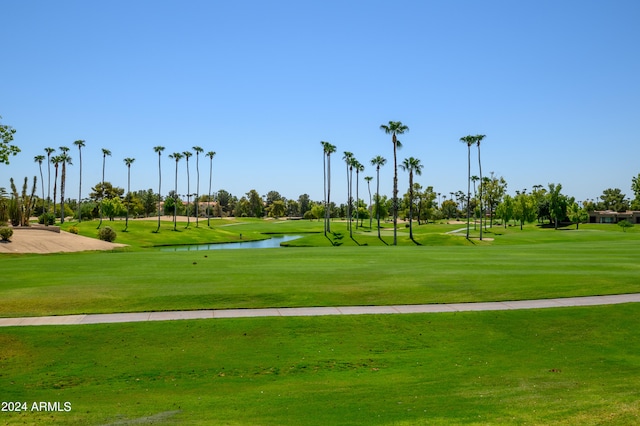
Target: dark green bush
x,y
46,218
107,234
6,233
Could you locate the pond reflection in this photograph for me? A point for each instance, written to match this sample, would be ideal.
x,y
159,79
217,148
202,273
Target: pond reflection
x,y
270,243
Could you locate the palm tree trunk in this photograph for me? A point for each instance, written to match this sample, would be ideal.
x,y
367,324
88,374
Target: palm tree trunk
x,y
62,182
395,192
357,207
209,195
55,189
159,191
126,223
328,212
481,191
175,200
197,201
370,215
411,204
80,188
468,188
378,198
104,158
324,189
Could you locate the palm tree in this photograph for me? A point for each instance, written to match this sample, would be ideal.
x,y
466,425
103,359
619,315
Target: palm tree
x,y
478,139
210,154
378,161
80,145
395,128
56,160
39,159
105,152
188,154
469,140
327,149
159,150
324,182
128,161
412,165
347,157
48,151
369,179
65,159
176,156
198,150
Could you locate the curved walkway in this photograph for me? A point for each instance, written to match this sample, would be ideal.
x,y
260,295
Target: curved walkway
x,y
318,311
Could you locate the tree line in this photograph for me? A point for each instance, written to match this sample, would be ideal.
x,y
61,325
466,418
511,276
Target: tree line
x,y
489,201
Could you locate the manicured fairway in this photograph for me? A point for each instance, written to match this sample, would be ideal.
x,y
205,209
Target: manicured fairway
x,y
146,281
559,366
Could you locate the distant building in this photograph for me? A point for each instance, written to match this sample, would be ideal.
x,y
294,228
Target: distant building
x,y
610,216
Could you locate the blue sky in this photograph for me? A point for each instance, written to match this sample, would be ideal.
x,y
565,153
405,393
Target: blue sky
x,y
553,85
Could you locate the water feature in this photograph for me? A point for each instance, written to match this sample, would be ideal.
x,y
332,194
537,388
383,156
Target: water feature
x,y
270,243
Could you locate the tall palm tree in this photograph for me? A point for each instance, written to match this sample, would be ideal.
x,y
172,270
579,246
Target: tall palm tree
x,y
347,157
56,160
324,182
176,156
128,161
39,159
188,154
328,149
105,152
158,149
478,139
368,179
65,159
395,128
48,151
210,154
198,150
413,166
469,140
378,161
80,144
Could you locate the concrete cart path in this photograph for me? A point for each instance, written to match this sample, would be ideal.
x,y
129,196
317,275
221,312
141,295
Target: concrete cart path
x,y
317,311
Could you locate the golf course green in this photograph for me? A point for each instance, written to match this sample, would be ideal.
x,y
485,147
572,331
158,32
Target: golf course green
x,y
551,366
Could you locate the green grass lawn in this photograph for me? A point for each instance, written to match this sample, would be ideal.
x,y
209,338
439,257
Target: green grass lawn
x,y
553,366
515,265
556,366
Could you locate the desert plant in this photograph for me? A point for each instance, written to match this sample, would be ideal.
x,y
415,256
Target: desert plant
x,y
107,234
6,233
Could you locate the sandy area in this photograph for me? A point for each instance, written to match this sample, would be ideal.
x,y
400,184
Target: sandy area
x,y
42,241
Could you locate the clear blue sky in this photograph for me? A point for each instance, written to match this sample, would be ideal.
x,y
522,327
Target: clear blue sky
x,y
553,84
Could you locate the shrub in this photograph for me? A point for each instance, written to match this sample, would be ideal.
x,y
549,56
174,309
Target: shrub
x,y
73,230
6,233
47,218
107,234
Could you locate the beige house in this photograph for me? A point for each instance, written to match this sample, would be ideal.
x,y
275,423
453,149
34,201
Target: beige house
x,y
610,216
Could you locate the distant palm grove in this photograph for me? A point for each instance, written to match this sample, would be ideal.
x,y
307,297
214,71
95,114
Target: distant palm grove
x,y
483,203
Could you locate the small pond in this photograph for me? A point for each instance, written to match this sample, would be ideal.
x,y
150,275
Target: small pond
x,y
270,243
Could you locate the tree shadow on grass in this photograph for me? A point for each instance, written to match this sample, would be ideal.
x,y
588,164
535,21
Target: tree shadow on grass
x,y
385,243
337,238
356,241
